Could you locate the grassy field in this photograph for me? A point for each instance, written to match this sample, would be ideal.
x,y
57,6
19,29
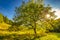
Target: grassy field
x,y
57,34
22,35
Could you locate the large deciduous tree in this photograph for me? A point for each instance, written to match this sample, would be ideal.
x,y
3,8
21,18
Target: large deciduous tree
x,y
32,11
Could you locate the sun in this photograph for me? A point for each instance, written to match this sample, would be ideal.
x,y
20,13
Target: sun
x,y
47,15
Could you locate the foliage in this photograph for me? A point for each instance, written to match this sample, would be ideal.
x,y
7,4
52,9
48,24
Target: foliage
x,y
5,19
8,21
4,26
57,25
5,23
31,12
1,18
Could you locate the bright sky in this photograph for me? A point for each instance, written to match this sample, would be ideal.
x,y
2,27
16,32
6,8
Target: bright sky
x,y
7,7
57,12
55,4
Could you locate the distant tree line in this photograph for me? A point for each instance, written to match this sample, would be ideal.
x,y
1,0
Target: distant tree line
x,y
5,19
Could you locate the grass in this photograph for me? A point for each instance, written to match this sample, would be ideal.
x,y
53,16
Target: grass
x,y
23,34
17,35
57,34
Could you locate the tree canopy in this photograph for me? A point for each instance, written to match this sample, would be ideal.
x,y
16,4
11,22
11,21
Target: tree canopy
x,y
34,10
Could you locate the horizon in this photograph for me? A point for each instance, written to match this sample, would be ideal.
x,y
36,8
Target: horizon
x,y
7,7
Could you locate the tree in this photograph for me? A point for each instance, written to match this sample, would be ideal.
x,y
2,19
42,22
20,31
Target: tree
x,y
1,18
6,20
29,13
56,24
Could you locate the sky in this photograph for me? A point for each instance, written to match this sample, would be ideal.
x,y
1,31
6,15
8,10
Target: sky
x,y
7,7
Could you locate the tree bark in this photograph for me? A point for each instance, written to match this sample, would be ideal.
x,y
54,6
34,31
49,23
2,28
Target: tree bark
x,y
35,32
35,29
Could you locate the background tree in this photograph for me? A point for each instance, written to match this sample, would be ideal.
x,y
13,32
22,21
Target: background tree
x,y
6,20
1,18
56,24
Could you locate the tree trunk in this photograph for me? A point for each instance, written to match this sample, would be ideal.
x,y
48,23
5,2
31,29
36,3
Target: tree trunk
x,y
35,32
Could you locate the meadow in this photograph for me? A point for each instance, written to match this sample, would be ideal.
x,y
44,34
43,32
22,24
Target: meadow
x,y
28,35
